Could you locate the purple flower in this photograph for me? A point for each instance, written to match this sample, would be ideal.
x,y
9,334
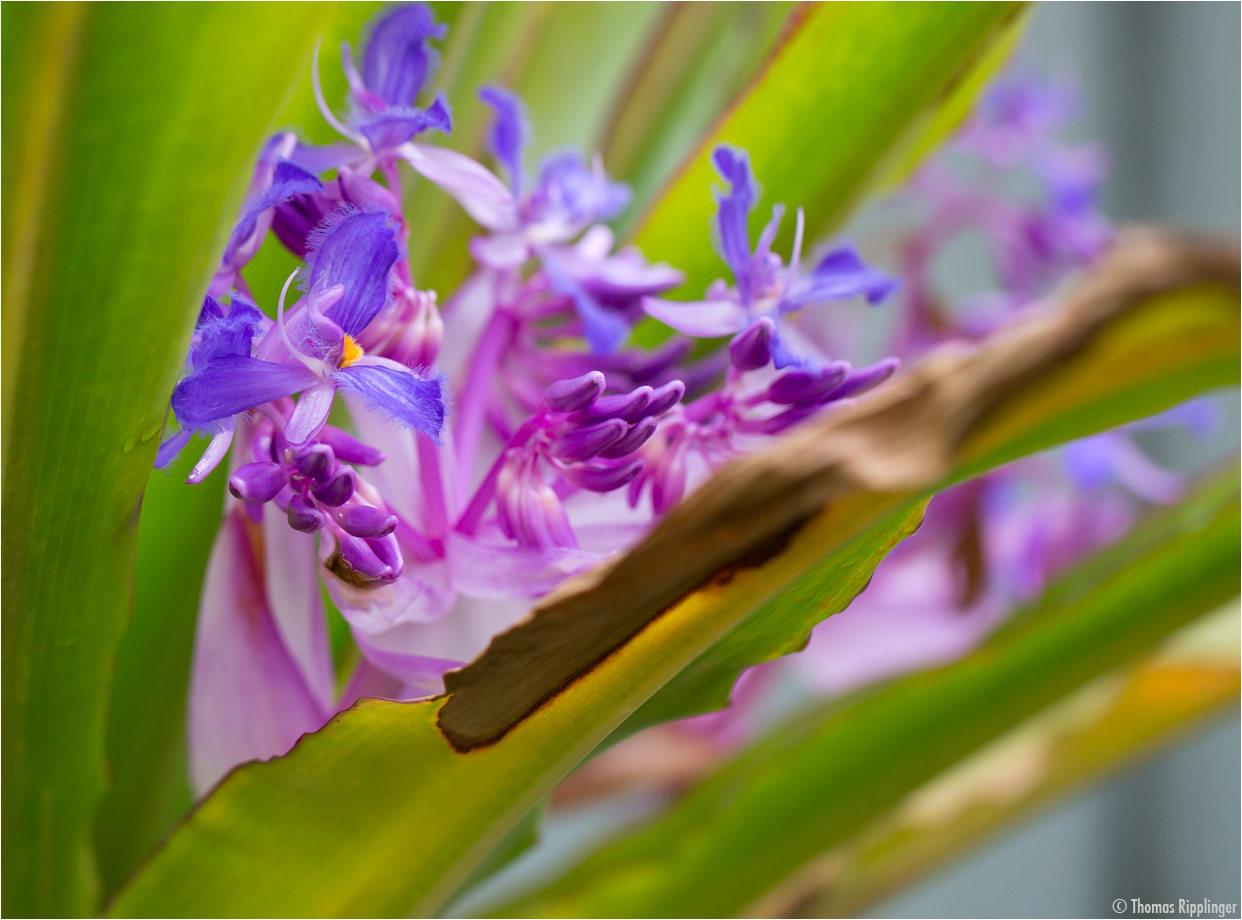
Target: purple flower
x,y
276,180
396,64
1033,242
764,287
314,354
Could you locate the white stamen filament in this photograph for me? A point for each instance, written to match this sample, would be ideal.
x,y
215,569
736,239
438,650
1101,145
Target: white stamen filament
x,y
796,256
326,112
317,366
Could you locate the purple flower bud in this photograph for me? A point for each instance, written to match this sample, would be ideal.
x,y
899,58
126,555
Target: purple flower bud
x,y
573,395
584,443
864,378
806,388
350,449
365,521
635,438
752,347
315,461
664,398
602,478
258,482
360,556
337,490
388,551
303,515
628,407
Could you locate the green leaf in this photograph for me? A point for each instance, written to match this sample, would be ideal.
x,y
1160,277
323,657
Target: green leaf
x,y
389,807
146,717
150,786
138,128
815,784
700,59
858,88
1097,730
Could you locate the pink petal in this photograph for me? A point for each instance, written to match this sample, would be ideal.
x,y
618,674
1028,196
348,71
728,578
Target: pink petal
x,y
311,413
506,571
703,319
476,188
420,675
248,700
212,456
292,576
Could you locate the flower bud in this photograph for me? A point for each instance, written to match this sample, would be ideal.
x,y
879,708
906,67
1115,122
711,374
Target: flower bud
x,y
303,515
584,443
365,521
751,348
337,490
575,394
258,482
315,461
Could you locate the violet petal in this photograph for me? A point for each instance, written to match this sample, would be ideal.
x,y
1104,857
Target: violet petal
x,y
349,448
733,209
315,461
228,384
636,437
702,319
510,131
664,398
804,388
414,401
397,61
629,407
357,252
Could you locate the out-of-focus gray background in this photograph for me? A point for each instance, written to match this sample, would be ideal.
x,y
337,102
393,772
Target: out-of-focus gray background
x,y
1160,86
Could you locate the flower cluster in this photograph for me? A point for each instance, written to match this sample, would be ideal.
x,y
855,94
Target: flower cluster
x,y
1031,199
989,545
493,445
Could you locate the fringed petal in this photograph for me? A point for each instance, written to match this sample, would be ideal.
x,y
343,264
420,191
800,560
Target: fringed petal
x,y
397,60
357,252
228,384
414,401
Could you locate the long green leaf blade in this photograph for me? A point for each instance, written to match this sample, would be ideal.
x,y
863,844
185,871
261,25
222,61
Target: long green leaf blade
x,y
136,174
817,783
1105,726
388,808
